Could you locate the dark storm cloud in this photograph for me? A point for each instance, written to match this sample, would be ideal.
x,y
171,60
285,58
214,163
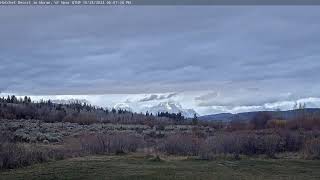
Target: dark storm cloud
x,y
153,97
91,50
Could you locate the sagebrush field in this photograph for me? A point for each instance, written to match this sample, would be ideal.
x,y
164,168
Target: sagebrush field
x,y
80,141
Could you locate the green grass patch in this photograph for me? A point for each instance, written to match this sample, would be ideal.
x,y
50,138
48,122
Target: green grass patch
x,y
139,167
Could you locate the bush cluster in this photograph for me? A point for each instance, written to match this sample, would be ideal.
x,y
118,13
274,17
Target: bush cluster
x,y
246,143
118,143
14,155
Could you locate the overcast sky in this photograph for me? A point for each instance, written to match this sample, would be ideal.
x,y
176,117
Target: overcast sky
x,y
212,59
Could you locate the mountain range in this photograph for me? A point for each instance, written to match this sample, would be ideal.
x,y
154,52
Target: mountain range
x,y
70,101
171,107
122,106
285,115
168,106
175,107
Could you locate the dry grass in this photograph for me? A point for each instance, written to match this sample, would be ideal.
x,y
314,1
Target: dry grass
x,y
144,168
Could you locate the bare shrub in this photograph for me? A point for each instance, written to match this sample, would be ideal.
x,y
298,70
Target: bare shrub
x,y
224,143
111,143
271,144
182,144
198,132
268,144
312,148
82,118
260,120
293,141
212,124
14,155
236,125
229,144
305,121
5,136
244,143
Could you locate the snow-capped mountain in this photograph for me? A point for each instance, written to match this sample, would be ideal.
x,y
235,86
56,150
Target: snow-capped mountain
x,y
171,107
122,106
70,101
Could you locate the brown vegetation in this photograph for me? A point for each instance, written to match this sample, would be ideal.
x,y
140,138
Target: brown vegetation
x,y
13,155
312,148
119,143
57,131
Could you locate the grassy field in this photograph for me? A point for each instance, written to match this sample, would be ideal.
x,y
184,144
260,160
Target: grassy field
x,y
141,167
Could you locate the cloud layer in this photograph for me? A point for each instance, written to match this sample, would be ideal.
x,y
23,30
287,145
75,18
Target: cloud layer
x,y
153,97
238,56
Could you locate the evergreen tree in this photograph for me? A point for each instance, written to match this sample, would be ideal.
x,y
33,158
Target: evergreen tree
x,y
195,119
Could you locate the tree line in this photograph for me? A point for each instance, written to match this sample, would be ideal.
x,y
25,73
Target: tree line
x,y
12,107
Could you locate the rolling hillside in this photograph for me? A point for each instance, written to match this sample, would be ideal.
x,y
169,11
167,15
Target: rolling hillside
x,y
287,115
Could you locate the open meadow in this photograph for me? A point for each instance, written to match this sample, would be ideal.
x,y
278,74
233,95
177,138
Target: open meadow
x,y
130,167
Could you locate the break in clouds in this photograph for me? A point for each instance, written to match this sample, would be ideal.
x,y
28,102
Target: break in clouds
x,y
217,59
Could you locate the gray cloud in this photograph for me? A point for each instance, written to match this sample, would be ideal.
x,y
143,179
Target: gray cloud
x,y
207,96
153,97
244,97
149,98
249,55
282,105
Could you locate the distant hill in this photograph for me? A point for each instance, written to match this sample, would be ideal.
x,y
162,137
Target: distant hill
x,y
286,115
